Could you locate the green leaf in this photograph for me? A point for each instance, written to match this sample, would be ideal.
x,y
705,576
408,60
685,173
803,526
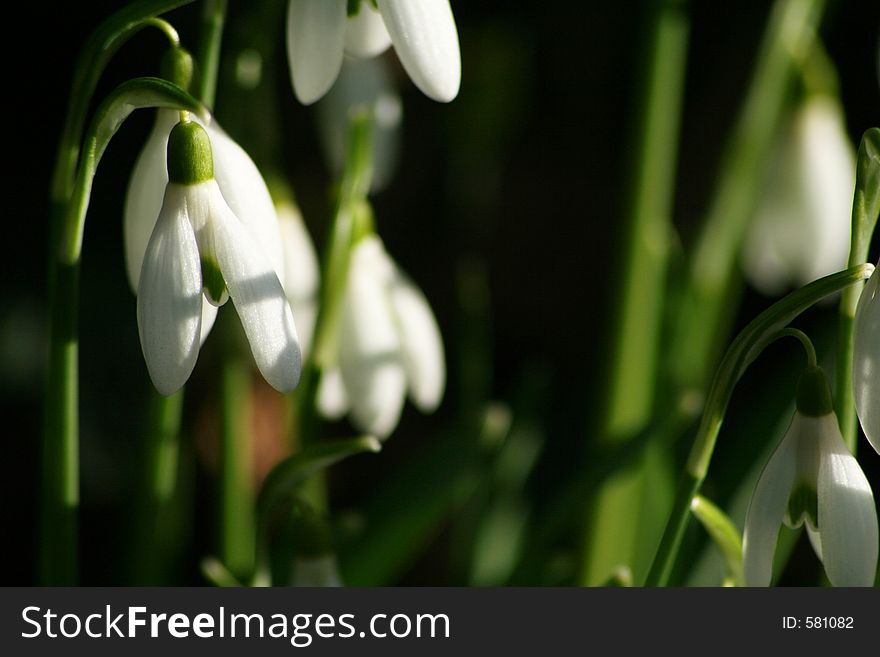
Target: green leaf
x,y
724,533
285,477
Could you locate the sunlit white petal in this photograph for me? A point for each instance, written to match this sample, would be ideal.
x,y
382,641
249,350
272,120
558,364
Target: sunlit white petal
x,y
767,508
301,274
332,398
365,34
421,344
255,291
866,359
369,351
315,40
170,296
847,515
426,41
246,194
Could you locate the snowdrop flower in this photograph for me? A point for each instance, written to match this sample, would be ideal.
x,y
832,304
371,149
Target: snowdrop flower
x,y
240,182
301,271
812,477
389,344
801,230
363,83
423,34
199,250
866,359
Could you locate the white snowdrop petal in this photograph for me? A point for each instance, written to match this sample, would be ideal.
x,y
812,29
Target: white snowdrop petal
x,y
301,271
315,41
332,399
209,315
247,195
170,296
421,344
258,297
369,348
801,227
426,41
827,176
847,515
767,508
866,359
143,199
365,33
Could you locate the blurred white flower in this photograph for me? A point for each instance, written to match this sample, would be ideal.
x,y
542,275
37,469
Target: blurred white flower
x,y
389,344
813,477
240,182
423,33
301,271
866,359
363,83
801,230
200,250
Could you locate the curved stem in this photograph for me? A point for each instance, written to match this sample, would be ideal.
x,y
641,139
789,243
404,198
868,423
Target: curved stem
x,y
747,346
803,338
60,447
213,18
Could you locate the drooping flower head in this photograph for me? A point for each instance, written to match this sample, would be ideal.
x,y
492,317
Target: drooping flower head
x,y
866,359
423,34
801,229
199,250
389,345
813,479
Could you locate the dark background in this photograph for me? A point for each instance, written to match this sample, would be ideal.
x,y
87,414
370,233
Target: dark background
x,y
520,180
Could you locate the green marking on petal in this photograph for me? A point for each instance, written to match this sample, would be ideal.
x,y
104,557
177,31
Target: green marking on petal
x,y
354,6
802,504
814,394
213,283
190,160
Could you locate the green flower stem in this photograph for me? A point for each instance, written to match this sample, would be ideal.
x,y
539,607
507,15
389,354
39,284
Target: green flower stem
x,y
353,190
866,206
760,332
635,332
154,516
96,53
713,274
724,534
60,447
213,18
236,495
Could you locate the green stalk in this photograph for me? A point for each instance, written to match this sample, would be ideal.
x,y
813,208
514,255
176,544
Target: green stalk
x,y
615,520
213,18
60,445
155,516
866,206
334,272
236,498
747,346
706,307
